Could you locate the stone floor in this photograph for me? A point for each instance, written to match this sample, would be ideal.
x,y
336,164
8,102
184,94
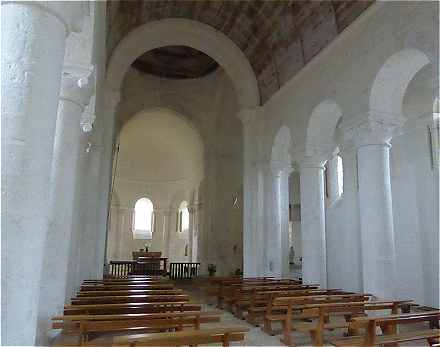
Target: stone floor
x,y
255,336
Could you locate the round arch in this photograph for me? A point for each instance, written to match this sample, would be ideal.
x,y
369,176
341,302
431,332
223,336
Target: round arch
x,y
185,32
321,127
393,78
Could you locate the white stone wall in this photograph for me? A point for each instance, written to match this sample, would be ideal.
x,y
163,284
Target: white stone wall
x,y
344,72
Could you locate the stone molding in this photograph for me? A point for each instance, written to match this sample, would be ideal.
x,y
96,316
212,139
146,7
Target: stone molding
x,y
249,115
86,122
111,99
70,13
77,86
371,128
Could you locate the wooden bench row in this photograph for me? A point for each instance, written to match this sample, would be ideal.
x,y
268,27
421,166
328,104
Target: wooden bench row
x,y
154,307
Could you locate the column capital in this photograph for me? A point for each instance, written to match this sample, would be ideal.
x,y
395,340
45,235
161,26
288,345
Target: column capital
x,y
279,167
70,13
315,162
249,115
371,128
77,86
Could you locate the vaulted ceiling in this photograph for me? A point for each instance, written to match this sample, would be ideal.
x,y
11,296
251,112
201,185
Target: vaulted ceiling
x,y
278,37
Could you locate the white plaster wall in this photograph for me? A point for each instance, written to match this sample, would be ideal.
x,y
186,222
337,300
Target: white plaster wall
x,y
344,72
209,105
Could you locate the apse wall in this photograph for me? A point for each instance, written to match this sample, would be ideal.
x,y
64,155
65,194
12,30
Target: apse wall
x,y
344,72
209,105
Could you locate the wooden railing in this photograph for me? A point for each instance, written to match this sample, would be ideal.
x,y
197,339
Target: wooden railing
x,y
184,270
124,268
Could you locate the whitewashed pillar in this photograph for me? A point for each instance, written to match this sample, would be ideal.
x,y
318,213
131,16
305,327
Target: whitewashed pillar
x,y
76,89
371,134
194,248
349,241
33,41
252,240
191,210
314,265
277,245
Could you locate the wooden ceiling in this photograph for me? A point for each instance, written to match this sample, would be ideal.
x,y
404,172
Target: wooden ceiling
x,y
178,62
278,37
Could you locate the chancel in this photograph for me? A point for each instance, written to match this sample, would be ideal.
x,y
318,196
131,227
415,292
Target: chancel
x,y
258,173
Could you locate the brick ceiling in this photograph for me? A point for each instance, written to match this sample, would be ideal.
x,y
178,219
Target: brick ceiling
x,y
278,37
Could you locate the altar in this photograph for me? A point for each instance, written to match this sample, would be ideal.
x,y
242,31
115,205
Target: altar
x,y
149,263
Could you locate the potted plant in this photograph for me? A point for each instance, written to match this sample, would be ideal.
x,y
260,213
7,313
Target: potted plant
x,y
212,268
238,272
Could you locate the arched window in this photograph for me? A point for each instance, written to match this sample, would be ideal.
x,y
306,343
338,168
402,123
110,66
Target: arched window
x,y
183,223
143,219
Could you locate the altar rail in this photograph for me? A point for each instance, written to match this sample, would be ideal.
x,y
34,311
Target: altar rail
x,y
184,270
124,268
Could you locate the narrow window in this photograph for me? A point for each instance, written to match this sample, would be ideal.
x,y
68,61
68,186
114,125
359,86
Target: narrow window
x,y
143,219
340,170
183,217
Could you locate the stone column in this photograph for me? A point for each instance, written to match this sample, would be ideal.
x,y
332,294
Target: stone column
x,y
252,241
75,94
349,244
371,134
277,246
191,210
314,266
195,241
33,41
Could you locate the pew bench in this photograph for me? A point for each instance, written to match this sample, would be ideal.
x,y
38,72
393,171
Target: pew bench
x,y
90,287
129,298
186,337
128,292
261,304
162,286
323,312
241,296
227,290
280,308
139,307
84,325
388,325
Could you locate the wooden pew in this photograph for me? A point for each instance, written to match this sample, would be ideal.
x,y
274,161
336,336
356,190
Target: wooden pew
x,y
277,308
125,281
323,308
138,307
227,288
216,283
127,292
192,338
260,303
242,293
113,299
127,287
388,326
86,324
